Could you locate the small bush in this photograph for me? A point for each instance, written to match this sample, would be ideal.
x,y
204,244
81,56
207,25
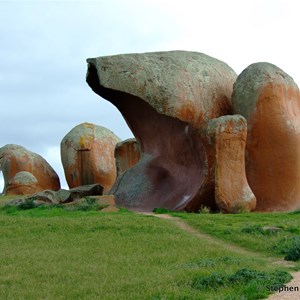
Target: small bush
x,y
261,230
88,204
26,204
252,283
204,210
290,247
213,281
254,229
159,210
227,260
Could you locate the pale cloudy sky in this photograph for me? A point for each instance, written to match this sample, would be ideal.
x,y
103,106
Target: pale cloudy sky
x,y
44,44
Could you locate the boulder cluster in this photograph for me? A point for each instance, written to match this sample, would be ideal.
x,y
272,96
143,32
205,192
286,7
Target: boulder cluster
x,y
204,137
207,137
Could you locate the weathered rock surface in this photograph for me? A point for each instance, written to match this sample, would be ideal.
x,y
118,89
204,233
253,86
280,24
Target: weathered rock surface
x,y
228,137
166,99
62,196
23,183
270,101
15,159
86,190
87,154
127,154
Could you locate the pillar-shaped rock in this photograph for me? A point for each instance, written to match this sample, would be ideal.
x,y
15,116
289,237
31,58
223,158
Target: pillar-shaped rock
x,y
270,101
127,154
15,159
87,155
166,97
228,138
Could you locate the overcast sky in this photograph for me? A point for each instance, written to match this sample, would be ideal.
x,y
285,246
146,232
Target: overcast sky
x,y
44,46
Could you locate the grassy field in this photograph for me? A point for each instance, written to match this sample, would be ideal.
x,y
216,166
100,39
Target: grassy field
x,y
275,234
58,254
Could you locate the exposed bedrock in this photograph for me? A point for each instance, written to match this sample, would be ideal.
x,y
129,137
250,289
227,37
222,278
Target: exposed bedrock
x,y
167,99
17,163
87,155
270,101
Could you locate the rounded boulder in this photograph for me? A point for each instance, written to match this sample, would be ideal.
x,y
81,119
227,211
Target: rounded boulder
x,y
87,154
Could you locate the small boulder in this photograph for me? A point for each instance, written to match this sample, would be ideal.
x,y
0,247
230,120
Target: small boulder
x,y
23,183
86,190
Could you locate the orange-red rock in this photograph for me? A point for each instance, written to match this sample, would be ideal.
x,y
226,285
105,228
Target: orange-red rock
x,y
23,183
15,159
166,98
127,154
228,138
270,101
87,154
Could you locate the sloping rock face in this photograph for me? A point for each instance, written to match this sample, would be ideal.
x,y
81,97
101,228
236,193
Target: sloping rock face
x,y
270,101
87,154
228,137
127,154
15,159
167,98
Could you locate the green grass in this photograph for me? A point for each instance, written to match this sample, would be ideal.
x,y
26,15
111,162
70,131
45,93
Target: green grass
x,y
51,253
249,231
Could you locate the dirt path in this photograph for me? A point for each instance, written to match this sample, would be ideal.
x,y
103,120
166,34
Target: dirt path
x,y
288,294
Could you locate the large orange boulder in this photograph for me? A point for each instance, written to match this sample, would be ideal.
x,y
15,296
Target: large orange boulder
x,y
270,101
87,154
26,172
167,99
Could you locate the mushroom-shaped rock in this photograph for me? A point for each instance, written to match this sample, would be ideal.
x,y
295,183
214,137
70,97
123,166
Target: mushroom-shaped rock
x,y
23,183
270,101
228,137
87,154
166,97
127,154
15,159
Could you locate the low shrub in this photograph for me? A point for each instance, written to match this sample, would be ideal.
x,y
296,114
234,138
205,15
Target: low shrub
x,y
257,282
290,247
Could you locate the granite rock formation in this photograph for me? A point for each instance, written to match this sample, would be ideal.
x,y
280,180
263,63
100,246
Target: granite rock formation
x,y
270,101
127,154
87,154
167,99
228,137
23,183
87,196
15,159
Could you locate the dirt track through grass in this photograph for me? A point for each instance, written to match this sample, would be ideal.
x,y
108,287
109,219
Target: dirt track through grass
x,y
284,295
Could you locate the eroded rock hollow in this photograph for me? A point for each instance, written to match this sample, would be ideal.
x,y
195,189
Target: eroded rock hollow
x,y
168,99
